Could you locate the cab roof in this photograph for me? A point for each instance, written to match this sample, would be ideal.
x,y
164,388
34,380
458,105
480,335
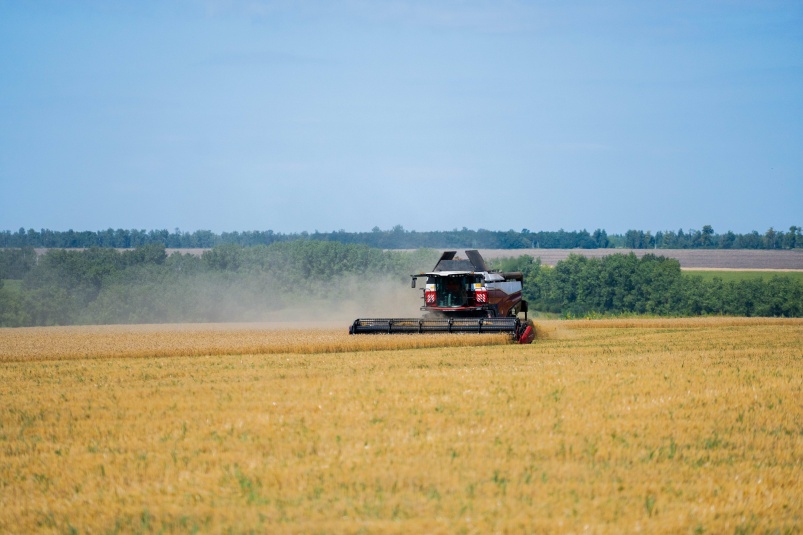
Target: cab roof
x,y
448,262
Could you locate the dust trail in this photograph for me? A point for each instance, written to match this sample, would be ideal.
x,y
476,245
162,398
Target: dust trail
x,y
249,286
346,299
257,297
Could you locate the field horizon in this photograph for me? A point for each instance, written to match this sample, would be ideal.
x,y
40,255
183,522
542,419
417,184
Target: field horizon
x,y
737,259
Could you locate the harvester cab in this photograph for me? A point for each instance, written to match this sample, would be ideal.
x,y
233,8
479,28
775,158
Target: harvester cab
x,y
462,295
467,288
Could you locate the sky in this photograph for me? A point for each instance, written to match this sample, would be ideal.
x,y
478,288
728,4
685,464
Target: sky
x,y
292,116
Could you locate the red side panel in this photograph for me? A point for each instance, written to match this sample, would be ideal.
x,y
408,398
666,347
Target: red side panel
x,y
527,336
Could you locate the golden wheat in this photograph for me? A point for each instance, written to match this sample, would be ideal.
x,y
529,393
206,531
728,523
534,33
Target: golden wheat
x,y
59,343
679,426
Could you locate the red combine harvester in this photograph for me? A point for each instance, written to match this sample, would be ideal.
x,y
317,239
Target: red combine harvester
x,y
462,296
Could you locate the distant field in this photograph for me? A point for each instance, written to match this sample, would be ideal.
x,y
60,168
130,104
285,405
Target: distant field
x,y
742,259
605,426
738,275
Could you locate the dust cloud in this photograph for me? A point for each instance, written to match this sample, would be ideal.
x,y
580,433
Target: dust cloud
x,y
343,300
239,286
261,298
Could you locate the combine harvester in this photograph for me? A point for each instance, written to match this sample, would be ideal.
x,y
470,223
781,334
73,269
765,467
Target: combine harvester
x,y
462,296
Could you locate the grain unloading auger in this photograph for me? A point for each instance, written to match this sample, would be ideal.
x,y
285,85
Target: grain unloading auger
x,y
462,296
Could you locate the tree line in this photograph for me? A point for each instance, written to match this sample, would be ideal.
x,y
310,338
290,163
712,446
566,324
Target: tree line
x,y
301,278
399,238
623,284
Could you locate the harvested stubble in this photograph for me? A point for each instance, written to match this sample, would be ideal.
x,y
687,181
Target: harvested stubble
x,y
675,426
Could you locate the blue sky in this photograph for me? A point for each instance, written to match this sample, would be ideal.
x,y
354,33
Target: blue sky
x,y
293,116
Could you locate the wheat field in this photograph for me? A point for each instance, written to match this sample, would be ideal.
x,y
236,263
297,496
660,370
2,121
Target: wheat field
x,y
144,341
600,426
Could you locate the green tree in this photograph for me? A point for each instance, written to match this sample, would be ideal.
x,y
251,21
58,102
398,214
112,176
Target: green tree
x,y
16,263
707,239
769,238
792,239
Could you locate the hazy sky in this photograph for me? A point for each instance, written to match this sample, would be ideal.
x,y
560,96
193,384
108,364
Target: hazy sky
x,y
316,115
